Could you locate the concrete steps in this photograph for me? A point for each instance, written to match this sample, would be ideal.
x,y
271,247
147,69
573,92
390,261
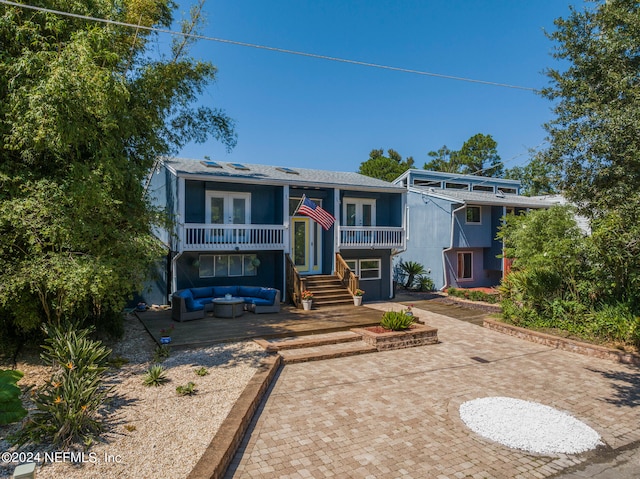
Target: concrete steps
x,y
317,347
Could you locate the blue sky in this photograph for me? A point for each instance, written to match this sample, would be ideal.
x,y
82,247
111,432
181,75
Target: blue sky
x,y
297,111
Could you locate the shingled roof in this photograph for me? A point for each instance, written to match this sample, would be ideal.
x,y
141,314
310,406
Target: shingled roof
x,y
255,173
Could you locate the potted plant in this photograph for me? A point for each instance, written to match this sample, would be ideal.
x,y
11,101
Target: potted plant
x,y
357,297
165,334
307,299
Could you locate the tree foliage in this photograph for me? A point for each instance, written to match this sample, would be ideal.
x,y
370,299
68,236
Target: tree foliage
x,y
386,168
84,114
536,177
561,278
478,156
595,137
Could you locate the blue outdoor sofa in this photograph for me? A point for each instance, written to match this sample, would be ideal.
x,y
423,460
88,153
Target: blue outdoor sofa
x,y
193,303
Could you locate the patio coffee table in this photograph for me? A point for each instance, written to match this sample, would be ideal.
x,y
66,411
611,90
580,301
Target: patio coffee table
x,y
228,308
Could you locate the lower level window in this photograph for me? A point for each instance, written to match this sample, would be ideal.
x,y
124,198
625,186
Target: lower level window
x,y
365,268
465,262
228,265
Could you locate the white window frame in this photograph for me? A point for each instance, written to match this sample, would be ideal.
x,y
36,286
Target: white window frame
x,y
227,198
466,216
243,261
359,203
355,265
458,255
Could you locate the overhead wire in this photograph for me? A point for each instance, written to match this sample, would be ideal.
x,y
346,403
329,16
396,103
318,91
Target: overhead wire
x,y
269,48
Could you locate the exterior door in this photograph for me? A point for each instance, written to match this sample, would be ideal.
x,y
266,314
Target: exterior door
x,y
359,212
228,208
306,245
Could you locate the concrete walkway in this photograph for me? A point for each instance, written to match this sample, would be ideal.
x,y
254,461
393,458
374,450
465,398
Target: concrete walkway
x,y
395,414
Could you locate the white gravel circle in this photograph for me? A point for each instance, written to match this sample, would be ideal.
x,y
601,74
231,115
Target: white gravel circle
x,y
528,426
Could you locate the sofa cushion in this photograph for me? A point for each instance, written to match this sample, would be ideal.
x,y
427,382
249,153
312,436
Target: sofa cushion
x,y
259,301
185,293
249,291
206,292
267,293
220,291
193,305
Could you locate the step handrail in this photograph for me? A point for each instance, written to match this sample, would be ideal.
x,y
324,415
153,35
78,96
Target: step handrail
x,y
296,284
347,277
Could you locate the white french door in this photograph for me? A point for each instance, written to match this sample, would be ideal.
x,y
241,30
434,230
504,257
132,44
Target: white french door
x,y
228,208
359,212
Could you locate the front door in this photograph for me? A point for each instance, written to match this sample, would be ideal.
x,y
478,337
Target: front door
x,y
306,245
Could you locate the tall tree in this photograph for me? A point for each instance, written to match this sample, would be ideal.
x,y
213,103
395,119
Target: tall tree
x,y
478,156
84,114
386,168
595,137
443,160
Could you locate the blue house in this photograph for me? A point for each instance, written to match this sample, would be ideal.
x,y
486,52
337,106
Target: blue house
x,y
237,224
452,222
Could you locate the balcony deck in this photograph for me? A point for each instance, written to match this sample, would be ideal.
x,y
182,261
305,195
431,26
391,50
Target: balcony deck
x,y
218,237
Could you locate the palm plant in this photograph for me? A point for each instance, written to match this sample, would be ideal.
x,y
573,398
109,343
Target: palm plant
x,y
411,269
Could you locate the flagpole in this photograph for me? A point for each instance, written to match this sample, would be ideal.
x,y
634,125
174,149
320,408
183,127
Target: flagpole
x,y
298,207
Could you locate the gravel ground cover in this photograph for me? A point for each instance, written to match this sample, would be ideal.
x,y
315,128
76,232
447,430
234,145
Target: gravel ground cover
x,y
528,426
152,431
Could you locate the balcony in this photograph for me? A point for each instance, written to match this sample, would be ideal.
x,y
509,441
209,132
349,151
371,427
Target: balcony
x,y
210,237
375,237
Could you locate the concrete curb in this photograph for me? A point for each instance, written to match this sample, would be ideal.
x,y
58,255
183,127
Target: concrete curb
x,y
216,458
564,344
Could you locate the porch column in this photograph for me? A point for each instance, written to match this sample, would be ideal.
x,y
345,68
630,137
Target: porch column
x,y
286,222
337,213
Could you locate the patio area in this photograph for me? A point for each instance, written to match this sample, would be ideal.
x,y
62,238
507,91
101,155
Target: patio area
x,y
288,322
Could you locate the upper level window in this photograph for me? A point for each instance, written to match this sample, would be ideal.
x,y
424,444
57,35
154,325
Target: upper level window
x,y
228,208
483,188
473,214
456,186
509,191
427,183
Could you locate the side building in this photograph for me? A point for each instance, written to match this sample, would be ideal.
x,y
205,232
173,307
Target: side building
x,y
237,224
452,223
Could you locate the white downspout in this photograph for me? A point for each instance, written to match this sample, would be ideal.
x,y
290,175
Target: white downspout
x,y
446,250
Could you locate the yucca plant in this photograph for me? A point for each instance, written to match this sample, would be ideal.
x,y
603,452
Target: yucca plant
x,y
68,403
396,320
155,376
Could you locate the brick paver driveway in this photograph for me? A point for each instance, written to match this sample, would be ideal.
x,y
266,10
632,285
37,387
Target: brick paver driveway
x,y
395,414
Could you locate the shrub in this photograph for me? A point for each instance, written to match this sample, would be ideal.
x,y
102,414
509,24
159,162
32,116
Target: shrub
x,y
424,283
11,409
202,371
615,322
188,390
396,320
68,403
155,376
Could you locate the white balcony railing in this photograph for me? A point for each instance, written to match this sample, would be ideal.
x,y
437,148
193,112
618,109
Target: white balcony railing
x,y
229,237
377,237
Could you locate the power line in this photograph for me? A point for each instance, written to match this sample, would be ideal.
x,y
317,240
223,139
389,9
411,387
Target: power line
x,y
273,49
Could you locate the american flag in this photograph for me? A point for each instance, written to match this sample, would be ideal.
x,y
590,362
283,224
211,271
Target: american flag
x,y
313,211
